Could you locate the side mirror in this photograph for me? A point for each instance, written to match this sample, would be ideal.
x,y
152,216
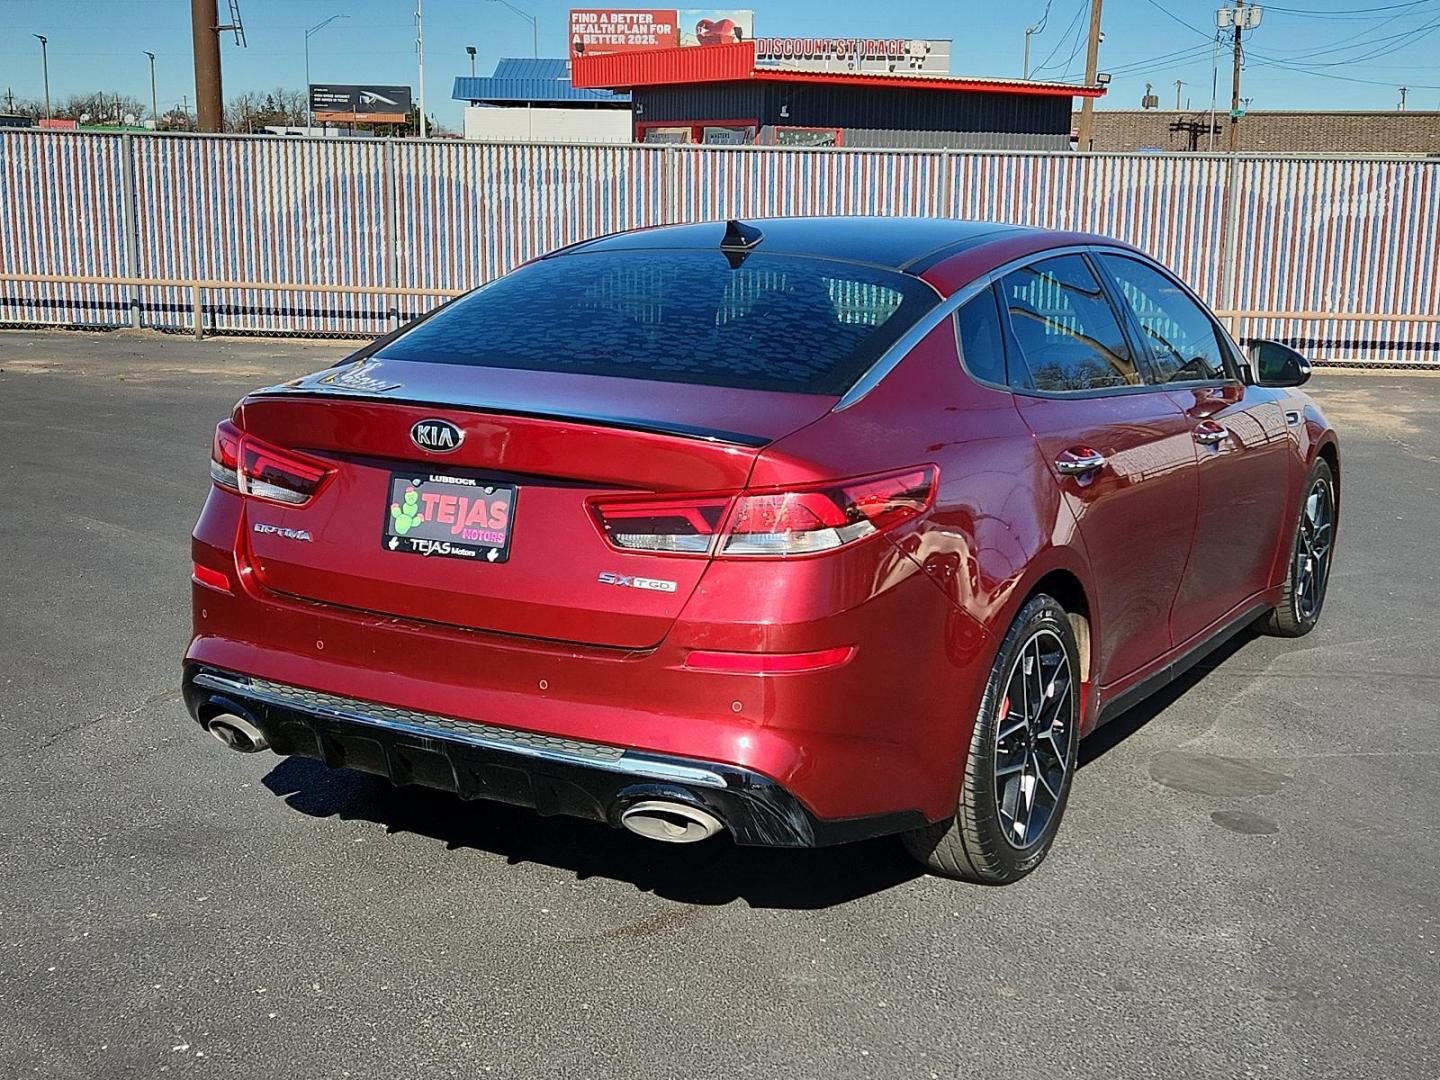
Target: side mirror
x,y
1278,365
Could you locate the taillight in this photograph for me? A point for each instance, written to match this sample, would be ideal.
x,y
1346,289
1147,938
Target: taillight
x,y
253,467
796,521
225,456
826,516
278,475
686,525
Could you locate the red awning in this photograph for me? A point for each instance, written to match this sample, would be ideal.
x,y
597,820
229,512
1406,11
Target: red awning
x,y
736,63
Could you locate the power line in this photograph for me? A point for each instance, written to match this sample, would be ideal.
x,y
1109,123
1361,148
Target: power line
x,y
1351,13
1150,63
1405,40
1356,42
1176,18
1063,37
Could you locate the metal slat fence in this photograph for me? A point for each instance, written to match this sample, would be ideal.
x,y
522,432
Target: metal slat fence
x,y
345,237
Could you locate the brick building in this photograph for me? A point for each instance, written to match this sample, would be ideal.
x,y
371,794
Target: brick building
x,y
1264,132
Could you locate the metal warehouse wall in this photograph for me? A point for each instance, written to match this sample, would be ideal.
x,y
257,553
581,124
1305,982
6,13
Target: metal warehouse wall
x,y
879,116
1338,256
701,101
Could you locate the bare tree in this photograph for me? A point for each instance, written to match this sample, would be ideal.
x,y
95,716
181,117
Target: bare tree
x,y
250,111
101,107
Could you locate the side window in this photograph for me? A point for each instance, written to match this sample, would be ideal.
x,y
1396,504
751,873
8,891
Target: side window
x,y
1182,341
1067,331
982,342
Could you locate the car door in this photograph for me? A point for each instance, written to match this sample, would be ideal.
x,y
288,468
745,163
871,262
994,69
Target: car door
x,y
1240,438
1120,450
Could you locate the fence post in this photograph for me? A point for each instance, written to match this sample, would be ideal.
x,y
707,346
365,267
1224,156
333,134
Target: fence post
x,y
947,182
130,223
668,180
1231,236
198,312
392,238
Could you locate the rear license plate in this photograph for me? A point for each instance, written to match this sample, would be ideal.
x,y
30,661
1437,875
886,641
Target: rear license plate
x,y
453,516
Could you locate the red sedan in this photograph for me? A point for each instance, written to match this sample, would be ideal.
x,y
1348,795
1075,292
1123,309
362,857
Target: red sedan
x,y
805,530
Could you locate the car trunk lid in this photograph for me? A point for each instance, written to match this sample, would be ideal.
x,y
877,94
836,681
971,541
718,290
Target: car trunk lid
x,y
553,439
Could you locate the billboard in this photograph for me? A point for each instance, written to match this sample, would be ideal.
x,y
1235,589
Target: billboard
x,y
595,31
360,104
854,54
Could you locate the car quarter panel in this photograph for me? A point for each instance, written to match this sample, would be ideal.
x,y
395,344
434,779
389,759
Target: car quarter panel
x,y
997,524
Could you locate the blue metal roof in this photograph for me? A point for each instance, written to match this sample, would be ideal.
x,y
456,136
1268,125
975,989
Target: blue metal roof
x,y
519,80
549,67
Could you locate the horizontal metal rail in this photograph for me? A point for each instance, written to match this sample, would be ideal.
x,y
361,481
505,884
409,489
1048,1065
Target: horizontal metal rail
x,y
217,285
749,148
199,286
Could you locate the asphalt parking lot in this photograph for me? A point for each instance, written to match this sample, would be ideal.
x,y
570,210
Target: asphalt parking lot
x,y
1247,882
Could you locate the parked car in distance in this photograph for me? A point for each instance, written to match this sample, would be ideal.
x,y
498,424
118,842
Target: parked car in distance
x,y
804,530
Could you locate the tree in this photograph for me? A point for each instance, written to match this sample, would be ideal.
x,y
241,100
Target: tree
x,y
249,112
26,107
101,107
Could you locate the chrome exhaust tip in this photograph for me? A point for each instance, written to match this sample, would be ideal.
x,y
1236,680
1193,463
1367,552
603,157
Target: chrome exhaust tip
x,y
237,733
670,822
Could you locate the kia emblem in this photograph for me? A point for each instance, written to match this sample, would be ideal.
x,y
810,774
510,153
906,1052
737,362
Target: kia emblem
x,y
437,436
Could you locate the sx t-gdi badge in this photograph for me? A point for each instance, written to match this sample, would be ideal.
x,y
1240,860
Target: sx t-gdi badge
x,y
437,436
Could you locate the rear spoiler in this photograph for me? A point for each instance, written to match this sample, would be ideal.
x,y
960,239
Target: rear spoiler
x,y
316,386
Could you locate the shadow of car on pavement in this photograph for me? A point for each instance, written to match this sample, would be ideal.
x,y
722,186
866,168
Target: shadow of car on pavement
x,y
708,873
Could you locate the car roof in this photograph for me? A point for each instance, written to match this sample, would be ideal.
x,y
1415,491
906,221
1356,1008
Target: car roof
x,y
909,244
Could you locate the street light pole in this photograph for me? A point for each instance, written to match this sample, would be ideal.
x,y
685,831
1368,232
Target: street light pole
x,y
471,50
45,66
534,26
420,52
309,112
154,103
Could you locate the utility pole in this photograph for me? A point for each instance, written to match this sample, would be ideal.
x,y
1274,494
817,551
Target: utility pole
x,y
1235,83
420,51
1178,85
154,103
45,66
1092,68
1403,91
205,37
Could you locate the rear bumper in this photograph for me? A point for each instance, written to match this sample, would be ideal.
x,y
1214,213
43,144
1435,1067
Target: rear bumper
x,y
550,774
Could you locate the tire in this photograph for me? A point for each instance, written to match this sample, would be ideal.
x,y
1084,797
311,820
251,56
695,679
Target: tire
x,y
986,841
1311,549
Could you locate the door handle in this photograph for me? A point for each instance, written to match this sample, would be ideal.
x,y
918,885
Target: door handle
x,y
1209,433
1080,461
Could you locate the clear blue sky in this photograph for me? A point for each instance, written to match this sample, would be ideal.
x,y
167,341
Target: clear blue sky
x,y
1307,53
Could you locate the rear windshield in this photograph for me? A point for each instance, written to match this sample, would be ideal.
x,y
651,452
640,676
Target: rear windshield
x,y
773,322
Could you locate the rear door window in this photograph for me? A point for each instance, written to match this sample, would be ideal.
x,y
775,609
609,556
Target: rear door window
x,y
1182,341
762,322
1069,335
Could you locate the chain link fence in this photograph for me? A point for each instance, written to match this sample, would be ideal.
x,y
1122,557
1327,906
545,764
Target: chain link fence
x,y
348,238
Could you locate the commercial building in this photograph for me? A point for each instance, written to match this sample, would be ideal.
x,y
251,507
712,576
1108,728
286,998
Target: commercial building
x,y
534,101
721,93
1270,132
